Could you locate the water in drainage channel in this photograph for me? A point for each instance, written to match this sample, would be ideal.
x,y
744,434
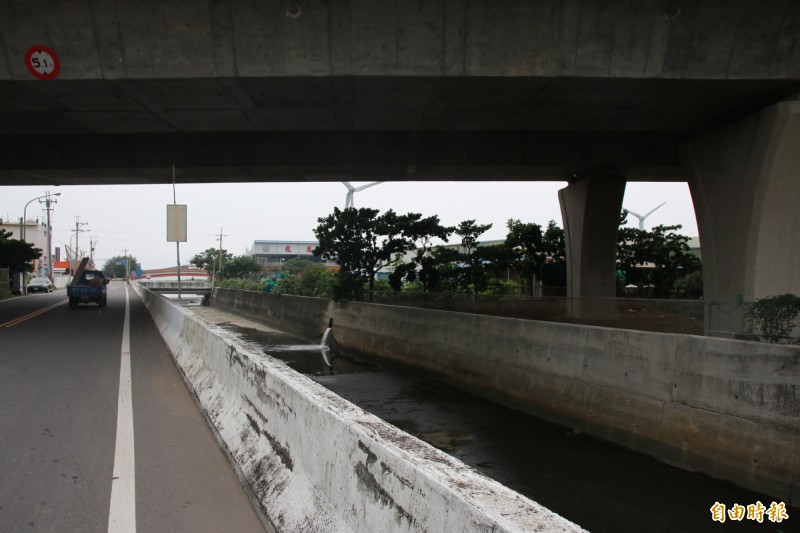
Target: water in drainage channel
x,y
600,486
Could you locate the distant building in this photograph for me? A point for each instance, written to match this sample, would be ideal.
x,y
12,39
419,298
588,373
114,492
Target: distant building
x,y
35,233
277,252
694,247
271,255
61,273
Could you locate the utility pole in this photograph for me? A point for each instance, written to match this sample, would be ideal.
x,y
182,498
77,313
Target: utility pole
x,y
92,244
47,204
220,254
127,266
78,230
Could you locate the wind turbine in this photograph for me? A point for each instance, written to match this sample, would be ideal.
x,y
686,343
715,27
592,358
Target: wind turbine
x,y
351,191
642,217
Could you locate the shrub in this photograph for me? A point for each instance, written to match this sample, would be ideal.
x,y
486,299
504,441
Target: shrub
x,y
774,318
242,284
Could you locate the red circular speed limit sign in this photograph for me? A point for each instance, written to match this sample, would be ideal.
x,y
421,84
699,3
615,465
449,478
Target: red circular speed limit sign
x,y
42,62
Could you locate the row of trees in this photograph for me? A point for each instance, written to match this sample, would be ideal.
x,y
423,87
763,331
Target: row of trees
x,y
364,242
118,266
240,267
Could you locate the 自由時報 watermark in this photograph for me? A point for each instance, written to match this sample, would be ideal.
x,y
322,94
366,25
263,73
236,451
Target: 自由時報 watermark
x,y
756,511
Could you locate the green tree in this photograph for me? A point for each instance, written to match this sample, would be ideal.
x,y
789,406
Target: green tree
x,y
241,267
17,255
527,242
305,278
444,270
473,272
116,267
421,266
554,243
298,266
362,242
690,285
663,247
209,259
533,249
497,261
286,283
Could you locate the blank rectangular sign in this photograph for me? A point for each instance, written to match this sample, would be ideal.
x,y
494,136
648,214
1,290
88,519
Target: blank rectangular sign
x,y
176,223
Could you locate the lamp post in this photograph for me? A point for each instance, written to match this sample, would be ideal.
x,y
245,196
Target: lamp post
x,y
25,210
22,228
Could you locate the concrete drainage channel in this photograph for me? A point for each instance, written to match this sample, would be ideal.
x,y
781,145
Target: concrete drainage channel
x,y
598,485
601,486
314,461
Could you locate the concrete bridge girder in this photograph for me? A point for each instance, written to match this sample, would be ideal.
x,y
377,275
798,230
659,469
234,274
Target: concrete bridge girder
x,y
433,90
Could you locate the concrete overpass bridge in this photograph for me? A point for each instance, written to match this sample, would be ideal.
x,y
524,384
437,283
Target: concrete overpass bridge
x,y
595,93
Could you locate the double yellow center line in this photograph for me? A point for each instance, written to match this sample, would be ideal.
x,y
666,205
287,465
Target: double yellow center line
x,y
23,318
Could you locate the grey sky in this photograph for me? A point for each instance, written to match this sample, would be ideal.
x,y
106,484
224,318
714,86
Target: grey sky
x,y
134,216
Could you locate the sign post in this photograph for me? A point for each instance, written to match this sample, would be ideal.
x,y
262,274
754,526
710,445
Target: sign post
x,y
176,232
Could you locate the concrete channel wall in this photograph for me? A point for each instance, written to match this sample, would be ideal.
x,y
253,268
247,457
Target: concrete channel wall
x,y
728,408
315,462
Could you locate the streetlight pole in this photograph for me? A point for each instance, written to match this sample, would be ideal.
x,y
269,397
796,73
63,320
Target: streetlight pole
x,y
25,210
24,222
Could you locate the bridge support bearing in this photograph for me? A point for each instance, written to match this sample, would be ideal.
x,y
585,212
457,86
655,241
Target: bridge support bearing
x,y
745,184
590,209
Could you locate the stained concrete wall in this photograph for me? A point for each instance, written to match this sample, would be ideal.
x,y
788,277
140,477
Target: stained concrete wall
x,y
315,462
728,408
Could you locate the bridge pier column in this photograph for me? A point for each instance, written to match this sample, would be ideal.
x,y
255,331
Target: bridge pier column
x,y
745,184
591,209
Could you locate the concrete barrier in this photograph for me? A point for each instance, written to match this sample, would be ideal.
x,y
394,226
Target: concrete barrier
x,y
728,408
315,462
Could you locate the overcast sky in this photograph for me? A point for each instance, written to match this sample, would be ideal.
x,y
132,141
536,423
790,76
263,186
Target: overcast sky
x,y
133,217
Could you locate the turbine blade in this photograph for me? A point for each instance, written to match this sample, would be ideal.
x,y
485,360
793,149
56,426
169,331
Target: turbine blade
x,y
367,186
653,211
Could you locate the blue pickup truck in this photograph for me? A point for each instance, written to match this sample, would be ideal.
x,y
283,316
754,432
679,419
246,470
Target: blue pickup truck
x,y
89,287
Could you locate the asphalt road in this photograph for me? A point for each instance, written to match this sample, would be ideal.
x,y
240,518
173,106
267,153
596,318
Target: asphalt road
x,y
59,397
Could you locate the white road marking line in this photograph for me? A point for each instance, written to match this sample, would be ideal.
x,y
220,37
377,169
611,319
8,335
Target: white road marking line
x,y
122,511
